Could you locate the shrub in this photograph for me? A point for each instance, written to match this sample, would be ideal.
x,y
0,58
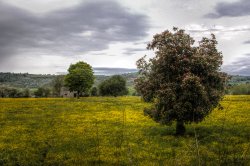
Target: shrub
x,y
114,86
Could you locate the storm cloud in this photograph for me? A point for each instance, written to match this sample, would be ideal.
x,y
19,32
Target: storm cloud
x,y
231,9
86,27
46,36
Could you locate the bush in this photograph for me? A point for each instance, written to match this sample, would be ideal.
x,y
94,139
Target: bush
x,y
42,92
114,86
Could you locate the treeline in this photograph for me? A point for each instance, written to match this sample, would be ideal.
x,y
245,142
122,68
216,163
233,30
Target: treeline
x,y
111,86
14,92
11,92
26,80
31,81
34,85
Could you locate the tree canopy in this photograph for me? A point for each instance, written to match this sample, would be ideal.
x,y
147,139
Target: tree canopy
x,y
114,86
80,78
184,81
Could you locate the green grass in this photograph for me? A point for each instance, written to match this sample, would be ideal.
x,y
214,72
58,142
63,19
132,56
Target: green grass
x,y
114,131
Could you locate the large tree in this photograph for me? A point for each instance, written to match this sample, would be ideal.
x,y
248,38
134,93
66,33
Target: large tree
x,y
80,78
184,81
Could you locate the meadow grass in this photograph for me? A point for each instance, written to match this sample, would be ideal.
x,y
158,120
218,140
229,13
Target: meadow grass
x,y
114,131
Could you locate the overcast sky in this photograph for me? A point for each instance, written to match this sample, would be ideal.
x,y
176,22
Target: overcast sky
x,y
46,36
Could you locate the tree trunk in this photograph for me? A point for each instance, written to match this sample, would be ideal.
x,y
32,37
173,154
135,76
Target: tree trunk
x,y
180,128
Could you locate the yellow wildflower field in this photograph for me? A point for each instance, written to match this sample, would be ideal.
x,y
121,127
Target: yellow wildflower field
x,y
114,131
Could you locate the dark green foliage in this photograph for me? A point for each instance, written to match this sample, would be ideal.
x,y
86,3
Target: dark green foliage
x,y
183,80
114,86
80,78
94,91
42,92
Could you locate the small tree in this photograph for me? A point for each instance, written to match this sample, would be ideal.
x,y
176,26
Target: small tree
x,y
114,86
80,78
58,83
184,81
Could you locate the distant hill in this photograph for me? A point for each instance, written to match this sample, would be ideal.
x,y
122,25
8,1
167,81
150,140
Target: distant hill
x,y
25,80
235,80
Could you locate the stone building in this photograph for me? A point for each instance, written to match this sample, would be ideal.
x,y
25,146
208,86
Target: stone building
x,y
66,93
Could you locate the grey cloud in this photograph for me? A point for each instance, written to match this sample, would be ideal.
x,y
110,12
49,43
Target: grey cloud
x,y
240,66
222,32
144,43
202,28
231,9
102,54
131,51
87,27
